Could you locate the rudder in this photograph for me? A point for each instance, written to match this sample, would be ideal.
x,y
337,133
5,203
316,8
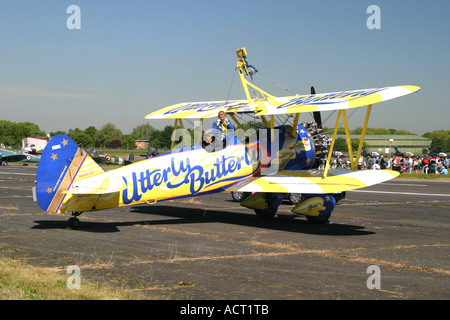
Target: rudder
x,y
62,162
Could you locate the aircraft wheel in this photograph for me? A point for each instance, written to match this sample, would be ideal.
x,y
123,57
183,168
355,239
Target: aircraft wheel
x,y
73,223
319,219
239,196
294,198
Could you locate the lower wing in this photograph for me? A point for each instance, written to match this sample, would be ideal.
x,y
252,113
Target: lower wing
x,y
311,181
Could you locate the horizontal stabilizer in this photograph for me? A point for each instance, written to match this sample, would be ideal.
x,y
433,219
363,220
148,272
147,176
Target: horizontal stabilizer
x,y
97,185
311,181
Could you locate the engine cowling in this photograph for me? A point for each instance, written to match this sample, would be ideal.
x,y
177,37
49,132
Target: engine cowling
x,y
311,148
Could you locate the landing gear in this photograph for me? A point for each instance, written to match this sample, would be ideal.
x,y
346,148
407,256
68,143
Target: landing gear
x,y
316,207
273,202
73,223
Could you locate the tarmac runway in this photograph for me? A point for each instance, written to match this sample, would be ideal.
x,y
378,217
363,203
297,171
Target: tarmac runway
x,y
389,241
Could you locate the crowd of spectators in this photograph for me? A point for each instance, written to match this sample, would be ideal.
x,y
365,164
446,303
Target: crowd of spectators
x,y
426,164
416,164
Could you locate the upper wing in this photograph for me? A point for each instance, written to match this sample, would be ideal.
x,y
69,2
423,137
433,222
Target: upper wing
x,y
282,105
311,181
195,110
332,101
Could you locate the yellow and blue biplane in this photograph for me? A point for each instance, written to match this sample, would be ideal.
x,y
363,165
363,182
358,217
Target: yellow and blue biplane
x,y
266,161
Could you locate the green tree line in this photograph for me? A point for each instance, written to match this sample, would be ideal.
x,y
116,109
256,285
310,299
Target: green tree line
x,y
440,140
11,133
369,131
109,136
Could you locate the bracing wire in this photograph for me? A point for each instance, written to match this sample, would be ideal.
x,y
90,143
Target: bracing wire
x,y
277,84
231,86
340,121
282,87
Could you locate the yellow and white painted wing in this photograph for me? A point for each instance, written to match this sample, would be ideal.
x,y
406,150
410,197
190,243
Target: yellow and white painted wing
x,y
195,110
311,181
331,101
283,105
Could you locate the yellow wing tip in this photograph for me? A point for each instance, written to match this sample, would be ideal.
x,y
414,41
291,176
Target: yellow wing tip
x,y
412,88
394,173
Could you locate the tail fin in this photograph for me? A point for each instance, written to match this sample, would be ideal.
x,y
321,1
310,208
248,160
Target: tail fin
x,y
62,163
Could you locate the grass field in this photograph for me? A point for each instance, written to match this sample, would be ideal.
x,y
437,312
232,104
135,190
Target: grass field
x,y
19,281
424,176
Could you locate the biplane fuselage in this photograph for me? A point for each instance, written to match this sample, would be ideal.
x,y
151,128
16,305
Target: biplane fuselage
x,y
184,172
175,175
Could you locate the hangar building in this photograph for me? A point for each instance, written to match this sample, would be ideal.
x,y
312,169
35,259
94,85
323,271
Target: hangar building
x,y
382,143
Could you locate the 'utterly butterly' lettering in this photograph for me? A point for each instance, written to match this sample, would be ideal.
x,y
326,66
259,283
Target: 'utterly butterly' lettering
x,y
181,173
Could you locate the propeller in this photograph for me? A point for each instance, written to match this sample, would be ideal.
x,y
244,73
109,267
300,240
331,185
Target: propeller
x,y
317,117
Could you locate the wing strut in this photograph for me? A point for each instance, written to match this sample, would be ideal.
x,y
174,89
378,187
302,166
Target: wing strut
x,y
183,132
361,140
330,151
242,67
347,135
354,162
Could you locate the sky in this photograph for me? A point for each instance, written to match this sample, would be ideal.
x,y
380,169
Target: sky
x,y
130,58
